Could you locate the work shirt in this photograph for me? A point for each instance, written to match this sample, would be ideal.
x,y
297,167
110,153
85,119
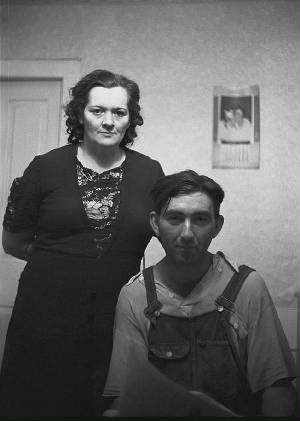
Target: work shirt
x,y
254,320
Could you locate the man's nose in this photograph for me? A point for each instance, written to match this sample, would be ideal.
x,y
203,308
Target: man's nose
x,y
108,121
187,232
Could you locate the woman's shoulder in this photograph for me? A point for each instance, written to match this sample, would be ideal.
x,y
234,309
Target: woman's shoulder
x,y
61,152
141,167
56,158
56,161
140,158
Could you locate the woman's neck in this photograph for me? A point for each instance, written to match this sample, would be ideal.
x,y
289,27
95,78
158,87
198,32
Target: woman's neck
x,y
100,158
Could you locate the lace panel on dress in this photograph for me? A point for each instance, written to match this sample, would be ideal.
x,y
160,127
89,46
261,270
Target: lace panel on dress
x,y
100,195
22,208
10,212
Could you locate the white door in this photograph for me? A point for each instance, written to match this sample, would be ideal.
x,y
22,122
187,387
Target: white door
x,y
30,125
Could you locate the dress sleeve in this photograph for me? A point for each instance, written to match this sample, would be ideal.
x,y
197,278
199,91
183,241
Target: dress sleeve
x,y
24,201
159,171
269,356
128,337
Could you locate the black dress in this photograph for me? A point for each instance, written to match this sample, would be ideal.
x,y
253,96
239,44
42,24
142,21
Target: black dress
x,y
91,233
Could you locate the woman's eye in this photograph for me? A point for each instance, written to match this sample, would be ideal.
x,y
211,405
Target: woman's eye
x,y
97,112
120,113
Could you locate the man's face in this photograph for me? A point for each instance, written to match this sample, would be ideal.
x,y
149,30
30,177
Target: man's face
x,y
186,227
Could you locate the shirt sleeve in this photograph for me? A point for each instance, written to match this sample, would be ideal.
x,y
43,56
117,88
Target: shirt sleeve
x,y
269,355
24,201
129,335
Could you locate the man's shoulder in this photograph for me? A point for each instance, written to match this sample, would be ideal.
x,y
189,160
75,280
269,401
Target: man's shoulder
x,y
223,259
133,296
135,287
135,281
253,297
254,282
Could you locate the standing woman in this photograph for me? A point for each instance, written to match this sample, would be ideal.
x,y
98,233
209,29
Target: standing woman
x,y
79,216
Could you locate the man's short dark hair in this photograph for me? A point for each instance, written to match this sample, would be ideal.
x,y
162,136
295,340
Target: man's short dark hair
x,y
184,183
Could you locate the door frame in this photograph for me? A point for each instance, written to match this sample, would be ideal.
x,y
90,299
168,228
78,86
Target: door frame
x,y
67,71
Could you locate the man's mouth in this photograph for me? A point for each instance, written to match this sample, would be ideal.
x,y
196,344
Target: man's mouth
x,y
186,247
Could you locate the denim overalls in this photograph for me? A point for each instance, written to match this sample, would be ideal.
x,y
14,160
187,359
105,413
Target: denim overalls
x,y
199,352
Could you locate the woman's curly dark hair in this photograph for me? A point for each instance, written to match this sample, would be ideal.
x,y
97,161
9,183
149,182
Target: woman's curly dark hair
x,y
79,98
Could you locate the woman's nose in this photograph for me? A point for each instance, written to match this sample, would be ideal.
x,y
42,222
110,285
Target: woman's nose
x,y
108,121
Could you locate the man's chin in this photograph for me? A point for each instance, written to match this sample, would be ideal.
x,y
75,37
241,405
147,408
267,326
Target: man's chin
x,y
186,258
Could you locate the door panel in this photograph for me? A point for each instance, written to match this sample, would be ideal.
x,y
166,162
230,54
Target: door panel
x,y
30,115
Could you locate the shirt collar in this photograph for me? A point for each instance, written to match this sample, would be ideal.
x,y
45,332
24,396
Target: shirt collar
x,y
219,259
219,256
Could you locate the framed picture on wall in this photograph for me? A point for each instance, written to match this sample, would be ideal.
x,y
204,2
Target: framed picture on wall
x,y
236,127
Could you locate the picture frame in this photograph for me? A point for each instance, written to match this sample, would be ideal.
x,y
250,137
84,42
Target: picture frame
x,y
236,127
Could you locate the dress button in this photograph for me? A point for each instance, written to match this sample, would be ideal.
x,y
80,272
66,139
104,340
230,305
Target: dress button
x,y
235,325
169,354
219,269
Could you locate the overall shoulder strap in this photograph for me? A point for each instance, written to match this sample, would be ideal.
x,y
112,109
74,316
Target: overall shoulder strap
x,y
153,307
226,301
228,296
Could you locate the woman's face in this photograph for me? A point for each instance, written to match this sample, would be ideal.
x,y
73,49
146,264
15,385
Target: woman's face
x,y
106,116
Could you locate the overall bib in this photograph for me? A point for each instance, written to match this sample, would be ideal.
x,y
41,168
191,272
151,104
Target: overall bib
x,y
199,352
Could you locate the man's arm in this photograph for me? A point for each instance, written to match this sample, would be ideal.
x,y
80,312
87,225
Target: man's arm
x,y
270,363
129,334
280,400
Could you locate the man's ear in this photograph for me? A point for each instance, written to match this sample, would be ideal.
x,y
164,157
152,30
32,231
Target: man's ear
x,y
219,225
154,222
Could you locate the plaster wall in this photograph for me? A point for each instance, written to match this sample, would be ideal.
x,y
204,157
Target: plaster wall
x,y
177,51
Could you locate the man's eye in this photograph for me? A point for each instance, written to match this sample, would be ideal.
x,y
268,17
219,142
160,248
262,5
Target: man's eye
x,y
201,220
174,220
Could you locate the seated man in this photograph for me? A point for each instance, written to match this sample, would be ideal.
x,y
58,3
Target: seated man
x,y
204,322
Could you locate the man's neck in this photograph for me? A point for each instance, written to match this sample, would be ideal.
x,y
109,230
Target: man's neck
x,y
181,278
